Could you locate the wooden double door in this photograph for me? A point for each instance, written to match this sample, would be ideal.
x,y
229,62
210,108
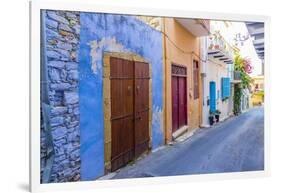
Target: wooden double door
x,y
179,97
129,110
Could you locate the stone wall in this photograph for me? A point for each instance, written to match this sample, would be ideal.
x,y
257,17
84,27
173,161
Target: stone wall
x,y
60,48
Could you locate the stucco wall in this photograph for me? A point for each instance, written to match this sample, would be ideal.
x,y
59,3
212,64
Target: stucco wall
x,y
189,43
205,81
215,73
112,33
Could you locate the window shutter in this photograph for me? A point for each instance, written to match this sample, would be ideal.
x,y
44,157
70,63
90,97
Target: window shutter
x,y
195,79
212,96
225,87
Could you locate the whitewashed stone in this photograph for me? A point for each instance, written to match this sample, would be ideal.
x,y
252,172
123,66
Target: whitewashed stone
x,y
64,27
71,65
56,121
53,15
53,55
70,97
76,28
61,86
73,75
58,110
63,53
51,23
63,45
54,74
59,132
56,64
51,34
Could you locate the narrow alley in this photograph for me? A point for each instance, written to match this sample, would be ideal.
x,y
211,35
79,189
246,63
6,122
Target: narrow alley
x,y
231,146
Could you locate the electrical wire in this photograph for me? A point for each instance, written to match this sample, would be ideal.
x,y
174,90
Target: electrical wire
x,y
183,51
189,53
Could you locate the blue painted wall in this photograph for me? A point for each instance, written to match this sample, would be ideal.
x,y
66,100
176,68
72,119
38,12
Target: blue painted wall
x,y
115,33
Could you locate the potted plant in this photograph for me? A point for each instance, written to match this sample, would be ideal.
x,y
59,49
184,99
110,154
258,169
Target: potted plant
x,y
211,118
217,46
217,115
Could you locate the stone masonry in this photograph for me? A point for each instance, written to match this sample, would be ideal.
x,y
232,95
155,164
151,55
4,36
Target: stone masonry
x,y
62,29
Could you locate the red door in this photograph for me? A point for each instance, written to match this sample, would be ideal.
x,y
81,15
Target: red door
x,y
182,101
179,97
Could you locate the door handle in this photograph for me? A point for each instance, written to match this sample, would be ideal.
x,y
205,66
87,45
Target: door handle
x,y
129,90
138,88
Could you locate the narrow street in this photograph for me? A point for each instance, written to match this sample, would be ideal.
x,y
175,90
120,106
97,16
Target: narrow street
x,y
234,145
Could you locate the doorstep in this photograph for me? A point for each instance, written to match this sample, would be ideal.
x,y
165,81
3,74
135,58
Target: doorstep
x,y
205,126
185,135
179,132
108,176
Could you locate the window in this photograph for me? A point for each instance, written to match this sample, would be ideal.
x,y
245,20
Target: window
x,y
196,79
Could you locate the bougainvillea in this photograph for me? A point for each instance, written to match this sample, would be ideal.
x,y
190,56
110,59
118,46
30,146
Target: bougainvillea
x,y
247,65
244,66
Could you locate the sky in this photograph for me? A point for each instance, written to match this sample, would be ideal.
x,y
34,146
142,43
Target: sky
x,y
229,30
248,50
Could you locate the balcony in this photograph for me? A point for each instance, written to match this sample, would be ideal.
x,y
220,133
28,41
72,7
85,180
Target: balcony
x,y
198,27
256,30
219,49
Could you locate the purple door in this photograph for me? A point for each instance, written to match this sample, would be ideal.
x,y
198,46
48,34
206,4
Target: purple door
x,y
182,101
179,97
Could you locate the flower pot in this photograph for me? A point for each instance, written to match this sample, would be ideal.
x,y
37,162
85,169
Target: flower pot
x,y
211,120
217,46
217,118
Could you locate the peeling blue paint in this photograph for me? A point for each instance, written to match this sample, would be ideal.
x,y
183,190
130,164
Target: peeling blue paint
x,y
134,36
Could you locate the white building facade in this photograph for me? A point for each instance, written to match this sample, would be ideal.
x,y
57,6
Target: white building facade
x,y
217,72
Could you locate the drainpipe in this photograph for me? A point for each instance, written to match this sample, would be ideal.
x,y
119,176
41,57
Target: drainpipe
x,y
165,80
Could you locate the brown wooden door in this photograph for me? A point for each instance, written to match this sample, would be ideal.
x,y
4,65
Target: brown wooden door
x,y
179,97
122,112
141,107
129,110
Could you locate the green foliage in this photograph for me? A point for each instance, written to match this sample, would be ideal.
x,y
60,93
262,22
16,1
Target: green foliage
x,y
237,99
239,65
243,65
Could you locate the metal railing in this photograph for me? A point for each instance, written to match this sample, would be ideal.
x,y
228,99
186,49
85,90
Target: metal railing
x,y
217,42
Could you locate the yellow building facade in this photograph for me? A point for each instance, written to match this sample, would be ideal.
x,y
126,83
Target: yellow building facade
x,y
181,48
181,51
257,97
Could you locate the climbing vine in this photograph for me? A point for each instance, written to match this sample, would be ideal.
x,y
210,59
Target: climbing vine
x,y
237,99
244,67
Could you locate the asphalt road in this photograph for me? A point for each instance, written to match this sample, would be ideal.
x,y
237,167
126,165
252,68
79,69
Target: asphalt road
x,y
234,145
